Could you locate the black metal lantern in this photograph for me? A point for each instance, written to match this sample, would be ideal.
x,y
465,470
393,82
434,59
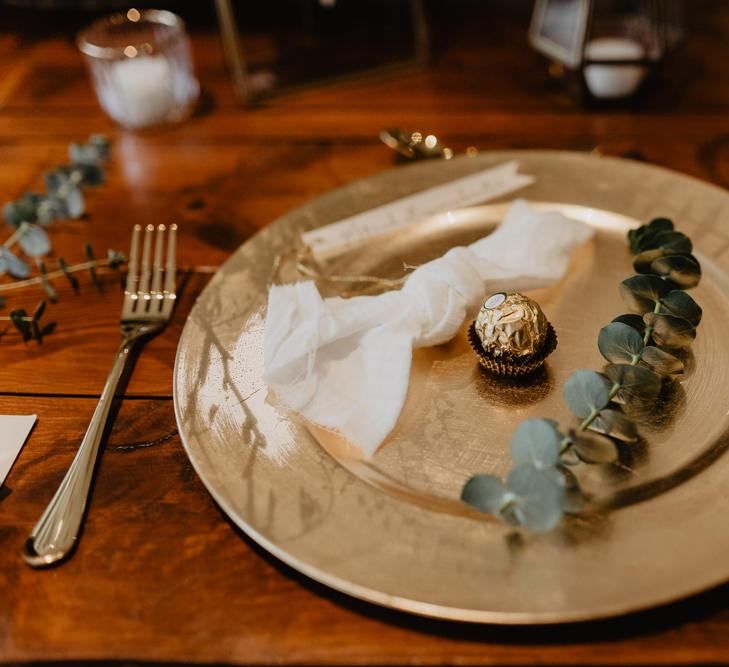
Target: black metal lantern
x,y
612,44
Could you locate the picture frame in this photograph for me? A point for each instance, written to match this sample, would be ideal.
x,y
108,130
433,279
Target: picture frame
x,y
558,29
322,42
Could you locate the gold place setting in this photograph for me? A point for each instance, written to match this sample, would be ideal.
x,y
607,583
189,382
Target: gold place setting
x,y
520,395
350,333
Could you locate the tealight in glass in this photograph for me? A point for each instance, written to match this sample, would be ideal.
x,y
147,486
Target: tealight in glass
x,y
141,67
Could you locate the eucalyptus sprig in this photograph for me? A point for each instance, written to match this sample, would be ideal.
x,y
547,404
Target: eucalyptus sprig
x,y
113,260
62,200
28,217
29,325
643,350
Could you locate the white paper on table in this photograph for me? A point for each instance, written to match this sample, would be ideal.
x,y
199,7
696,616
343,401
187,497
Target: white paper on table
x,y
14,430
475,188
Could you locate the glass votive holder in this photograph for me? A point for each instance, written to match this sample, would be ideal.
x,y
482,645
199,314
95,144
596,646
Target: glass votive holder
x,y
141,67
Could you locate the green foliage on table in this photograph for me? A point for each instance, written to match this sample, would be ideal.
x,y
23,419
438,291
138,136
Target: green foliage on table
x,y
642,349
27,325
29,216
30,326
62,200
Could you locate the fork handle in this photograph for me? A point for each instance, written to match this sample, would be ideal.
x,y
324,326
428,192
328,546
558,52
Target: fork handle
x,y
55,534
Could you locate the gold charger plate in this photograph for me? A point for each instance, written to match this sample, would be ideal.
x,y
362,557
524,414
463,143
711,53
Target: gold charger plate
x,y
392,530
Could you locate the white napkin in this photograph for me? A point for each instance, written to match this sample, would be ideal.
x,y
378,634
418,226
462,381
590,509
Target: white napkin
x,y
344,364
14,430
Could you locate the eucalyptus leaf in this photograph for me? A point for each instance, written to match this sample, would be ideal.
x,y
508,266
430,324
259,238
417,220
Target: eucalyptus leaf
x,y
641,293
540,494
35,331
682,270
680,304
49,209
536,441
92,153
663,243
90,174
69,276
59,178
648,239
620,343
636,382
47,286
12,264
102,144
73,202
644,243
674,242
633,239
485,492
670,331
12,216
586,392
643,234
34,241
48,329
594,447
615,424
661,361
573,500
89,252
632,320
660,224
115,258
49,289
642,262
84,154
568,457
22,210
19,320
39,310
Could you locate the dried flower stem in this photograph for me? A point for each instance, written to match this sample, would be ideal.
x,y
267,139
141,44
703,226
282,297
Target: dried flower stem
x,y
16,235
37,280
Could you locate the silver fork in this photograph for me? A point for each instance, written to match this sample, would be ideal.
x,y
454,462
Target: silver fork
x,y
149,298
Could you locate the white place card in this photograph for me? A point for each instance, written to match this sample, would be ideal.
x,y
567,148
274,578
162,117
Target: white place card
x,y
14,430
476,188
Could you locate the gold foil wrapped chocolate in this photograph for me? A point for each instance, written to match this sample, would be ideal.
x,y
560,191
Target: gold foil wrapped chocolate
x,y
511,334
511,324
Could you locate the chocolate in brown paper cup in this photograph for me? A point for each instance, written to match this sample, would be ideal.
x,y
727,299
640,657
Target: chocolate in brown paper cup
x,y
513,366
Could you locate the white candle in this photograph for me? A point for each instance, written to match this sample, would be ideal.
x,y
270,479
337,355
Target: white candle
x,y
139,91
609,81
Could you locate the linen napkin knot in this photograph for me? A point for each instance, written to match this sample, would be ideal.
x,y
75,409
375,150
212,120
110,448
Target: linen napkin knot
x,y
344,364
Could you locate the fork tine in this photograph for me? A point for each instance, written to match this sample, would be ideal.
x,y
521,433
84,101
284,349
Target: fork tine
x,y
132,267
144,279
171,268
157,270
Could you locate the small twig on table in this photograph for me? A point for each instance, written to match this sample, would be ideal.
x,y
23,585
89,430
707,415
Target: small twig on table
x,y
37,280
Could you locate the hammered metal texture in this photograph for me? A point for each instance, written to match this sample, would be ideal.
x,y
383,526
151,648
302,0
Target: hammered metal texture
x,y
392,530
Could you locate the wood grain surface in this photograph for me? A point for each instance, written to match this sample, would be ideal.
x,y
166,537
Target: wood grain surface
x,y
160,574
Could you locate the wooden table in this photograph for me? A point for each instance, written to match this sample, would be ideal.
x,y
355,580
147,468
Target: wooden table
x,y
160,574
